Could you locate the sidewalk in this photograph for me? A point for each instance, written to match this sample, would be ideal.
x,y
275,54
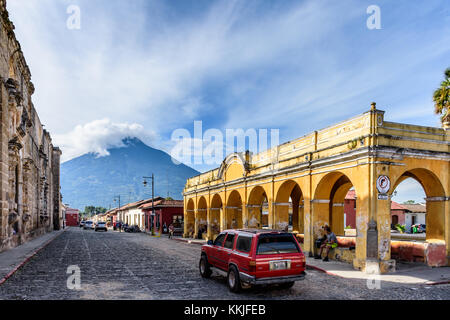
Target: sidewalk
x,y
12,259
407,273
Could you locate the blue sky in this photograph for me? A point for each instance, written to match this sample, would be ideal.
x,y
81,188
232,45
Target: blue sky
x,y
146,68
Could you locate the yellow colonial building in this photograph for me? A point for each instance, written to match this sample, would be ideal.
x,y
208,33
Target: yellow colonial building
x,y
303,183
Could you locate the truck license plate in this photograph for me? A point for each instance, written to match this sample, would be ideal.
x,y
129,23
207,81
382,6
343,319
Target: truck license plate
x,y
280,265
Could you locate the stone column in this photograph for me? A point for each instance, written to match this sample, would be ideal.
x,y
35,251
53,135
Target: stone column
x,y
209,234
4,160
56,156
319,218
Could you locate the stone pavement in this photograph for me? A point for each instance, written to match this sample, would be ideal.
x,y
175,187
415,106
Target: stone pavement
x,y
117,265
12,259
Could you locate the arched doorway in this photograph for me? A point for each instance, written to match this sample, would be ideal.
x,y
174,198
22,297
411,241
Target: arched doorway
x,y
214,215
435,196
428,217
288,208
233,216
201,218
257,208
330,203
189,219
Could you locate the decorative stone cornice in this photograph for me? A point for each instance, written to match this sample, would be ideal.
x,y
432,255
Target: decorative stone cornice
x,y
14,144
320,201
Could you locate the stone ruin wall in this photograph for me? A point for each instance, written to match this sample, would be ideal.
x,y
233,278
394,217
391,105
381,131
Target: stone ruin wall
x,y
29,163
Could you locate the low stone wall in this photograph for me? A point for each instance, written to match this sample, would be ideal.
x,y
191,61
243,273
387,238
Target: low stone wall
x,y
343,254
19,239
432,253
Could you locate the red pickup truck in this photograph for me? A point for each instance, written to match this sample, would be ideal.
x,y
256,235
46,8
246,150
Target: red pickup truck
x,y
249,257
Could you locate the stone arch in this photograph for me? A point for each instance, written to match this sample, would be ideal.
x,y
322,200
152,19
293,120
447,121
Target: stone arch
x,y
189,218
329,202
435,200
257,208
232,167
201,217
288,207
215,211
233,212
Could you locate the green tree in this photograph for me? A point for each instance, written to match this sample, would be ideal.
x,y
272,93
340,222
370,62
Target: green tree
x,y
409,202
441,98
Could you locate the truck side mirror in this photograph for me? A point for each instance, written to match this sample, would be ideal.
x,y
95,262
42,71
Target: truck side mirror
x,y
210,242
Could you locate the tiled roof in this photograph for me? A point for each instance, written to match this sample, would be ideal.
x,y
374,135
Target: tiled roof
x,y
417,207
163,204
351,195
397,206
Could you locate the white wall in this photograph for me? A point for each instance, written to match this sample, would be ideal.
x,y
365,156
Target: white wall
x,y
420,219
135,217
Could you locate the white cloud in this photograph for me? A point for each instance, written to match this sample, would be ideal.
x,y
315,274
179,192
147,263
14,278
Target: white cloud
x,y
96,137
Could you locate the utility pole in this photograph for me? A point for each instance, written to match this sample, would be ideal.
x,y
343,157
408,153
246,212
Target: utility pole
x,y
153,197
118,211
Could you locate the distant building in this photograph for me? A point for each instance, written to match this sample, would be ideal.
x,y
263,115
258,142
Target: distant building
x,y
403,214
350,210
414,214
166,212
397,214
72,217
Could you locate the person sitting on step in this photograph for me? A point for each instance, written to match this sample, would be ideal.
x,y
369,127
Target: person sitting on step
x,y
330,243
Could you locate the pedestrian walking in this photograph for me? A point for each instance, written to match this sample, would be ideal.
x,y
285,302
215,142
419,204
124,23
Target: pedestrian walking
x,y
171,231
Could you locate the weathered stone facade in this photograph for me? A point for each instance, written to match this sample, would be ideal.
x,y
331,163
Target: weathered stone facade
x,y
29,164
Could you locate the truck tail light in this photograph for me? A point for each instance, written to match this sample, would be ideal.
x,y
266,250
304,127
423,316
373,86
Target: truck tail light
x,y
302,261
252,266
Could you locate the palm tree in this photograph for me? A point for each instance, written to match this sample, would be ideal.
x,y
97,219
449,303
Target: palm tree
x,y
441,98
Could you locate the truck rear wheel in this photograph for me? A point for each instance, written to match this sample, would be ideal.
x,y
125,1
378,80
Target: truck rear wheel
x,y
205,270
233,280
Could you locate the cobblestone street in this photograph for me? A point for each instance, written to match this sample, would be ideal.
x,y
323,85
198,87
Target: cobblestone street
x,y
136,266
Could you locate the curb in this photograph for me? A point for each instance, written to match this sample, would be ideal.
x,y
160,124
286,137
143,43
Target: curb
x,y
323,270
20,265
437,283
188,241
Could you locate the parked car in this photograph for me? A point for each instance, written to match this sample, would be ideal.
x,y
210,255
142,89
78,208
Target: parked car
x,y
101,226
422,228
132,229
82,223
88,225
252,257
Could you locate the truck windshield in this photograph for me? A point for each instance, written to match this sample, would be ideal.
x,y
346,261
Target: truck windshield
x,y
276,243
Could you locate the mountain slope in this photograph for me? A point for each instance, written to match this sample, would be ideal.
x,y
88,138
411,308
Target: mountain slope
x,y
93,180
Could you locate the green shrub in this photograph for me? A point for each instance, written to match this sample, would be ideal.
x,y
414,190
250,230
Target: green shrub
x,y
400,228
